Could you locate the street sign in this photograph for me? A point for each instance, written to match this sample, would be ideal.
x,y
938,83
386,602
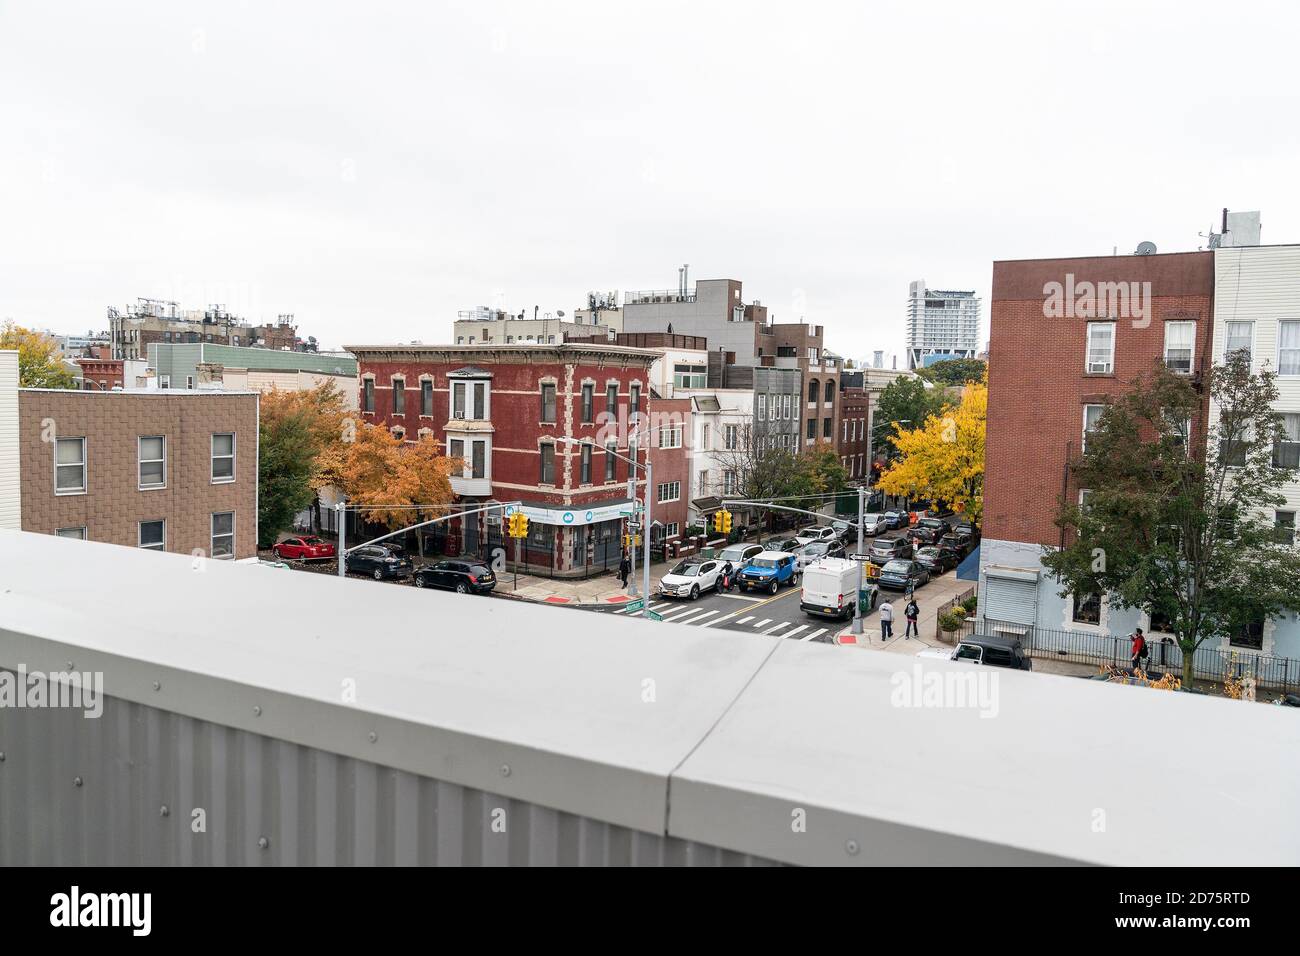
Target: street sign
x,y
654,616
634,605
859,557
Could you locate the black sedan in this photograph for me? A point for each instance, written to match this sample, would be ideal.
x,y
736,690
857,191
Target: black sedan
x,y
937,561
380,561
958,541
788,545
463,577
897,575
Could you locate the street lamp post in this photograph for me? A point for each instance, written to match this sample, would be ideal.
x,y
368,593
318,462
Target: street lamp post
x,y
862,500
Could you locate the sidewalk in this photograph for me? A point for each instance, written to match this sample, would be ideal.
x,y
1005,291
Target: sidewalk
x,y
602,590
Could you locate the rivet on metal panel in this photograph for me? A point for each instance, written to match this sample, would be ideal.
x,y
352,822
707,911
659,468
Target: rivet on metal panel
x,y
851,847
257,711
373,736
69,665
263,843
163,811
2,756
505,770
157,685
76,781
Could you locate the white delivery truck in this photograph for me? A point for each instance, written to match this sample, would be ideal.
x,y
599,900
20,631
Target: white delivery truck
x,y
829,586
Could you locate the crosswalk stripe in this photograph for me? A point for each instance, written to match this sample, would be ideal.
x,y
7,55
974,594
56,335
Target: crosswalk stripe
x,y
744,619
676,610
773,630
693,619
810,636
766,620
801,627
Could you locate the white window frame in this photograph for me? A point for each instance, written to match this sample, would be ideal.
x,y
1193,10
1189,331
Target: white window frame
x,y
81,490
1281,374
673,486
139,535
1096,367
80,534
762,408
1083,445
730,437
1250,348
212,448
212,536
140,460
673,434
1191,358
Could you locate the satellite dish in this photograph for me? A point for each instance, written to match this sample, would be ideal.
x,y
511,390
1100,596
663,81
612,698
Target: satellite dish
x,y
560,313
1146,249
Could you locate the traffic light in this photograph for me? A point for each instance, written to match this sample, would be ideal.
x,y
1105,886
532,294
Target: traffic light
x,y
717,521
724,522
518,525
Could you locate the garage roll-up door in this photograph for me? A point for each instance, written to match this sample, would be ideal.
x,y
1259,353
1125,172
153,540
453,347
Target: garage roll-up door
x,y
1011,595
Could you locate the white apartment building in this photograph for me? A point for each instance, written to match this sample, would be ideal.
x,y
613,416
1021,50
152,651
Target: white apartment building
x,y
1257,307
940,325
719,420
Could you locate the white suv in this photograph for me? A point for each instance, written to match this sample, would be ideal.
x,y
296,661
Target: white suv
x,y
820,533
688,578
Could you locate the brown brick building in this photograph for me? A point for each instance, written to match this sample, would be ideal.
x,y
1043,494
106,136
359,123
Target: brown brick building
x,y
173,470
1067,335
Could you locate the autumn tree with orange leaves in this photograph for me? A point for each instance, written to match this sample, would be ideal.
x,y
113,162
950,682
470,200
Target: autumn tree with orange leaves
x,y
393,482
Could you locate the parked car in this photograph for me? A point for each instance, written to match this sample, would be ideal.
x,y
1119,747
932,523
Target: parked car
x,y
995,651
817,533
884,550
929,530
817,550
789,545
379,561
739,554
896,519
874,524
897,575
957,542
828,588
463,577
768,571
307,548
846,531
690,576
965,526
936,560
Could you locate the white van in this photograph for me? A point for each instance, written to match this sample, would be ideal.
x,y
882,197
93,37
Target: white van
x,y
829,586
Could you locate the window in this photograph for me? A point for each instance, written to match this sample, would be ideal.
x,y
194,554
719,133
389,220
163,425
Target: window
x,y
480,400
480,460
670,530
1249,635
830,393
151,455
457,399
546,475
585,470
367,395
813,392
828,428
728,482
548,403
635,400
456,448
1159,622
704,484
704,436
1284,525
1086,608
223,457
78,533
399,397
611,463
1288,347
189,381
762,408
1179,341
1101,347
69,466
1091,419
588,402
729,436
1083,500
153,535
812,428
670,436
1286,446
1232,451
165,381
670,491
223,534
1238,337
689,376
611,401
426,398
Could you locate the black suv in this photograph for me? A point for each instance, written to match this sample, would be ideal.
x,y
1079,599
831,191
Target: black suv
x,y
379,561
463,577
994,651
929,530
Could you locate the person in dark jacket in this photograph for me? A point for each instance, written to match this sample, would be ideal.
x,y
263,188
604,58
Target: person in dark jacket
x,y
912,612
624,569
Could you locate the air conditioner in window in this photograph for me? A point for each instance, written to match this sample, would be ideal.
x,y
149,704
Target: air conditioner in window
x,y
460,416
1099,367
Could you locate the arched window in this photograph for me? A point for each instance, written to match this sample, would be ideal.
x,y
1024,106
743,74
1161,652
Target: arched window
x,y
812,391
830,392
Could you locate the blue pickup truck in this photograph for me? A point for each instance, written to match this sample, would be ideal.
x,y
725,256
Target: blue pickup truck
x,y
769,570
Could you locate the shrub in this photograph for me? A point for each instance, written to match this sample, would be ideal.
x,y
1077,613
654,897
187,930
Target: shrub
x,y
951,620
970,604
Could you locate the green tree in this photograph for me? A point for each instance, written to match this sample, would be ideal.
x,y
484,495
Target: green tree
x,y
1177,524
907,400
39,362
826,472
954,371
286,464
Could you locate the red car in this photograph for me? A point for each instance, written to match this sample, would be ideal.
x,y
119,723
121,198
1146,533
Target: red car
x,y
309,548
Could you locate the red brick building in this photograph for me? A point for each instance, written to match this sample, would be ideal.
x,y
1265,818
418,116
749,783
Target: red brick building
x,y
1067,335
101,374
510,411
855,418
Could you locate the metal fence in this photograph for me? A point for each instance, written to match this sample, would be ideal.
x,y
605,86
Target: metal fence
x,y
1211,663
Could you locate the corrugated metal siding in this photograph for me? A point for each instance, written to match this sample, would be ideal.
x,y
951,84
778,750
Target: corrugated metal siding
x,y
310,806
10,500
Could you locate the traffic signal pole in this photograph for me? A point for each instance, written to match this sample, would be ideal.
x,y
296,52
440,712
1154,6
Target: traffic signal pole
x,y
857,598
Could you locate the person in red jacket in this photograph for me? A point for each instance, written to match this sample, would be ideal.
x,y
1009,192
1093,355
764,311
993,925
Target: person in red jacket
x,y
1139,648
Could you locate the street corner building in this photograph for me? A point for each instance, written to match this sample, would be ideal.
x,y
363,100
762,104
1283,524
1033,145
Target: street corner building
x,y
1067,336
542,425
160,470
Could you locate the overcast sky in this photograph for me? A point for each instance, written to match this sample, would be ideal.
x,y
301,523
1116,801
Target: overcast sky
x,y
375,167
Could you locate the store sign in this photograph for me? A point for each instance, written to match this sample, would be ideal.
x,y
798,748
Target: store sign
x,y
570,516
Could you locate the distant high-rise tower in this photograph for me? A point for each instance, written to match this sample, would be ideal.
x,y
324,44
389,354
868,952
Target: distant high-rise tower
x,y
940,325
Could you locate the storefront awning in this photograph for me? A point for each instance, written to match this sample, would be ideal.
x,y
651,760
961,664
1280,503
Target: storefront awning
x,y
708,503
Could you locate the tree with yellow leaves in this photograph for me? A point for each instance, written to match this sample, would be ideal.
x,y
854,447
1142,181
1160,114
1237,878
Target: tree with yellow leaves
x,y
943,459
393,482
39,362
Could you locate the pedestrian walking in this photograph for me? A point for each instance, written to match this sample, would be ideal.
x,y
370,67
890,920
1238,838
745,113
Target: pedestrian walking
x,y
1139,648
912,612
886,621
624,569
